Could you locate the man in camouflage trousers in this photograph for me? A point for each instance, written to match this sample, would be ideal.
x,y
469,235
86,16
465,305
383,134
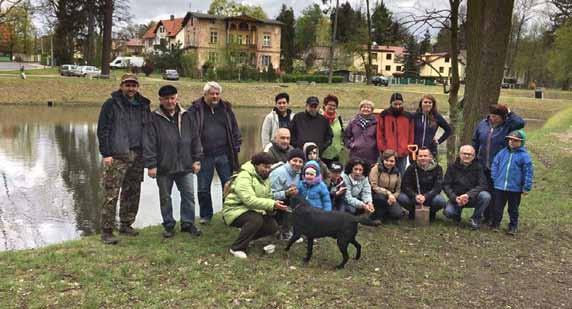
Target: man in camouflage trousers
x,y
120,134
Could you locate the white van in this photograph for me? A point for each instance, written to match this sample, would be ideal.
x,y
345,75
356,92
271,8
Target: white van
x,y
124,62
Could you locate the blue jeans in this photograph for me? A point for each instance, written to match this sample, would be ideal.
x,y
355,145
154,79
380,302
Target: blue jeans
x,y
453,211
184,183
436,203
208,165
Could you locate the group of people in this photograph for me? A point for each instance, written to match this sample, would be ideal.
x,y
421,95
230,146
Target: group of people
x,y
301,159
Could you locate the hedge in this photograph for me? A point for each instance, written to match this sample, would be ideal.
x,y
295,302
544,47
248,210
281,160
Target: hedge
x,y
292,78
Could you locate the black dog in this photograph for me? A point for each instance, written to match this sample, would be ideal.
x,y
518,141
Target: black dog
x,y
316,223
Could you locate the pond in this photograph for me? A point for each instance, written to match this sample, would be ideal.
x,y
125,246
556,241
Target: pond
x,y
50,173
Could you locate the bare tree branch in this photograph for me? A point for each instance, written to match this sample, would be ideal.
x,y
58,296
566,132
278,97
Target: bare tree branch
x,y
6,7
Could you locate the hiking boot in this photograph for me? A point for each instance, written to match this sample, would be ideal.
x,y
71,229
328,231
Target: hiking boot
x,y
495,228
512,230
108,238
474,224
168,233
193,230
128,231
239,254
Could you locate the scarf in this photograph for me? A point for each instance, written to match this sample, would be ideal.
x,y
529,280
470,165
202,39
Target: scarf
x,y
364,121
331,117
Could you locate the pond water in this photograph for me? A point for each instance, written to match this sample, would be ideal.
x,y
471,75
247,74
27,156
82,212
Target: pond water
x,y
50,173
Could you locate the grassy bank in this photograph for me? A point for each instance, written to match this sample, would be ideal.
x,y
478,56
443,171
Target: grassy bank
x,y
438,266
38,89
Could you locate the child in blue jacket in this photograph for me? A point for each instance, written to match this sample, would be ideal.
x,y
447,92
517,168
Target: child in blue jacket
x,y
512,174
312,188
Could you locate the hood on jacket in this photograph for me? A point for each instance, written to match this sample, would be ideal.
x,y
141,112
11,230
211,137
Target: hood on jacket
x,y
432,165
118,95
249,168
309,146
316,166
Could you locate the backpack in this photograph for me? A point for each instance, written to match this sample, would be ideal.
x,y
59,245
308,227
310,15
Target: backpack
x,y
228,186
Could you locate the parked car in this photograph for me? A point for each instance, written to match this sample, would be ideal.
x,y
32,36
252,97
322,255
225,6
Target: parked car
x,y
171,75
65,69
380,81
85,71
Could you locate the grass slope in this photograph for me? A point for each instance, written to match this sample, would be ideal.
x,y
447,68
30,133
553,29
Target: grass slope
x,y
440,266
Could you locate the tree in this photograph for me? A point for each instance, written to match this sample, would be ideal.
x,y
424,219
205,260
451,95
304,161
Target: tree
x,y
369,42
22,30
488,30
307,27
563,12
286,16
530,61
522,14
232,8
425,45
6,9
381,24
336,13
560,58
107,29
411,69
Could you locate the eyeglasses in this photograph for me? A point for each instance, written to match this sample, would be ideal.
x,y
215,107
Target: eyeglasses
x,y
467,154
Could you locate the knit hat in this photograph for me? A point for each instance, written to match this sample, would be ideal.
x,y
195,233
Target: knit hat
x,y
312,166
499,109
296,153
167,90
395,96
366,102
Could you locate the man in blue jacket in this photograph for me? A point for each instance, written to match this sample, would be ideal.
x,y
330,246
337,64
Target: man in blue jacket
x,y
122,120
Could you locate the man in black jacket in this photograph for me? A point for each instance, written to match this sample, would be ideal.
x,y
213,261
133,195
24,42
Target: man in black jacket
x,y
421,185
310,126
172,150
221,140
465,184
120,133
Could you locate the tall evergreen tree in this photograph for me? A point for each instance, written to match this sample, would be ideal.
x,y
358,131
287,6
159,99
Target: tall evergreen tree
x,y
286,16
411,68
425,45
381,23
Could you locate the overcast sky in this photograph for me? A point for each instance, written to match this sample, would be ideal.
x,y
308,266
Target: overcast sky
x,y
145,10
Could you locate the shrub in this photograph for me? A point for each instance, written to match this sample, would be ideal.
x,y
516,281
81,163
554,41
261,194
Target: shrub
x,y
148,68
292,78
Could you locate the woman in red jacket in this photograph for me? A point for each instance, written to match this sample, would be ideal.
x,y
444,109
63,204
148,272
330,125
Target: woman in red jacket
x,y
395,130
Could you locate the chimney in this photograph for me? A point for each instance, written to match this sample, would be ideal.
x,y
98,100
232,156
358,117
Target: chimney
x,y
172,17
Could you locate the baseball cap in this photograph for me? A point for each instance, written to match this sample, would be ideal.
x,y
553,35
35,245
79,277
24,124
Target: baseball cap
x,y
129,78
312,101
336,167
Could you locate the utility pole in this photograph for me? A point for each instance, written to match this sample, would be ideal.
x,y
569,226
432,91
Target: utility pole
x,y
333,44
368,68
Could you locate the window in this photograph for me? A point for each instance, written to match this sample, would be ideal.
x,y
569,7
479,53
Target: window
x,y
266,40
213,57
447,59
161,29
388,57
450,71
240,39
373,56
388,68
265,60
398,68
214,37
247,39
441,69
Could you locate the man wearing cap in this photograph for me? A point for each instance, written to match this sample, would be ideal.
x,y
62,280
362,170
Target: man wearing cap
x,y
221,140
489,139
395,130
122,120
310,126
280,145
283,182
172,150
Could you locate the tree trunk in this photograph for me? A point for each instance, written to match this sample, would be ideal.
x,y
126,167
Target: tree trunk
x,y
333,45
455,119
90,47
107,25
488,29
368,66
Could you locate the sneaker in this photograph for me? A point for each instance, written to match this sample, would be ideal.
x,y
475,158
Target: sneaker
x,y
168,233
193,230
239,254
474,224
300,240
128,231
269,249
205,221
512,230
108,238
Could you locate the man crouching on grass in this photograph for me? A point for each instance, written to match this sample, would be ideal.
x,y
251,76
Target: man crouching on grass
x,y
172,150
249,205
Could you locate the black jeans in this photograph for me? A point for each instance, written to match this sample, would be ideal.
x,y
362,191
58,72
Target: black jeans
x,y
489,214
385,211
252,226
501,198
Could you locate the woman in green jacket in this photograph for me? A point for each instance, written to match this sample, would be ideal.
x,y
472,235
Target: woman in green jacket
x,y
332,153
249,204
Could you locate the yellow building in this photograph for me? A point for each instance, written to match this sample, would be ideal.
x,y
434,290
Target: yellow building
x,y
385,60
435,65
253,41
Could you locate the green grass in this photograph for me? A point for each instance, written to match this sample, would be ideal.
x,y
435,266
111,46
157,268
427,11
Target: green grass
x,y
440,266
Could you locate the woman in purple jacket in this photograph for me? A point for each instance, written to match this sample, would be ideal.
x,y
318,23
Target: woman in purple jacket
x,y
360,135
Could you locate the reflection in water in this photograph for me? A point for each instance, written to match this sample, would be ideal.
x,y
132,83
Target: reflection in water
x,y
50,169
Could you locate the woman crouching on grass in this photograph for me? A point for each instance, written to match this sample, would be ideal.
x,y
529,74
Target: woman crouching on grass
x,y
386,184
357,199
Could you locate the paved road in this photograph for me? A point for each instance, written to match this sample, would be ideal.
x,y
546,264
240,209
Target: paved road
x,y
11,66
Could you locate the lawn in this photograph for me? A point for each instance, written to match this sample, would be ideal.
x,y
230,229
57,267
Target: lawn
x,y
439,266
